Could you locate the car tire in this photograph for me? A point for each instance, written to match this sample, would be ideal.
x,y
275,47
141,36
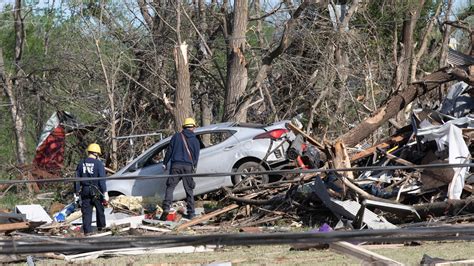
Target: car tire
x,y
247,181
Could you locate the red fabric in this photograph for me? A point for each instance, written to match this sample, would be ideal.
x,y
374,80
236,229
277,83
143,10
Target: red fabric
x,y
50,155
301,163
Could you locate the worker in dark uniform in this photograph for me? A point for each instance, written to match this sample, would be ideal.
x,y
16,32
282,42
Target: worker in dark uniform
x,y
93,193
183,153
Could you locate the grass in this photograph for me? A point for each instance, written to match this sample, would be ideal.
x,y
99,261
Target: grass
x,y
282,255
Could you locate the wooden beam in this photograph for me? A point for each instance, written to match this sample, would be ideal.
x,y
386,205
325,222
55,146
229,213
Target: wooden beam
x,y
384,145
14,226
308,137
213,214
207,217
360,253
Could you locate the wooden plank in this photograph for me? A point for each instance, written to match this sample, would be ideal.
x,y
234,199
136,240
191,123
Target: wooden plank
x,y
362,254
154,229
308,137
455,262
14,226
384,145
207,217
212,214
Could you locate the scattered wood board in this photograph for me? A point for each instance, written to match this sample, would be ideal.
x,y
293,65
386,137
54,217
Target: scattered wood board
x,y
360,253
14,226
211,215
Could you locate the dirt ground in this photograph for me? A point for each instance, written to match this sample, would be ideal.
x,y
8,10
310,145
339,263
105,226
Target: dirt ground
x,y
282,255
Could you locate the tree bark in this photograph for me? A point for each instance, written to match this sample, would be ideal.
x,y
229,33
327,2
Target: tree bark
x,y
446,30
182,97
9,85
237,65
395,104
424,44
406,53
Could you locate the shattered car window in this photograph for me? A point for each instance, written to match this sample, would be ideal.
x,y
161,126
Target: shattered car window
x,y
212,138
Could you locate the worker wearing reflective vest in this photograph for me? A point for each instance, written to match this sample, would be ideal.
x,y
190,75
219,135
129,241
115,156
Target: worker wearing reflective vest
x,y
183,153
93,193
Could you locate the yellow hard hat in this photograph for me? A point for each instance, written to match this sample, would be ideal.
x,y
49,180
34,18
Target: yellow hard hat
x,y
94,147
189,122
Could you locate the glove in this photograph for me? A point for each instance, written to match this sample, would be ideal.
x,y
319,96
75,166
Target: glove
x,y
106,196
105,200
76,198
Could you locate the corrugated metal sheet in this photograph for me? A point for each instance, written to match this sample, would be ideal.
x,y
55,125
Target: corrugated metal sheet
x,y
372,220
459,59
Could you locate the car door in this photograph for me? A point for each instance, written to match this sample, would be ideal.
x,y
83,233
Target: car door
x,y
150,164
217,156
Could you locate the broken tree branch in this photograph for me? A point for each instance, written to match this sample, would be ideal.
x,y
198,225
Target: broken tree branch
x,y
397,103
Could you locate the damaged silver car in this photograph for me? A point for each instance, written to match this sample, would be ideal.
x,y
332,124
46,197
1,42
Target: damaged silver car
x,y
226,147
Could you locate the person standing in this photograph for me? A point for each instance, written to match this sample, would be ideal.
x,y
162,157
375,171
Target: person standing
x,y
183,153
93,193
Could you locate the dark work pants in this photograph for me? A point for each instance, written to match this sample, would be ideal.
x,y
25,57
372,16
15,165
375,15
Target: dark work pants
x,y
86,208
188,184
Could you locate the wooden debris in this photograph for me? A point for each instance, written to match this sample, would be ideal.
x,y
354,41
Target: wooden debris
x,y
384,145
14,226
213,214
308,137
368,257
341,159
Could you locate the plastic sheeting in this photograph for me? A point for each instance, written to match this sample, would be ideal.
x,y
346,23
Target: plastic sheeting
x,y
449,135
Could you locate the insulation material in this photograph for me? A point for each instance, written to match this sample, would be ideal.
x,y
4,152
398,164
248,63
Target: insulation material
x,y
449,135
129,203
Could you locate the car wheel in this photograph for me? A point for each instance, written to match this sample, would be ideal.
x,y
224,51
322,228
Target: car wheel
x,y
250,180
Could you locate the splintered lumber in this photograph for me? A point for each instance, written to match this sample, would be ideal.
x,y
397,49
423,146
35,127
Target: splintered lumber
x,y
383,145
213,214
207,216
360,253
14,226
396,103
341,159
308,137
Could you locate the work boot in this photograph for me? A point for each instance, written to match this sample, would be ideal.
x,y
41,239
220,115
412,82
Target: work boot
x,y
164,216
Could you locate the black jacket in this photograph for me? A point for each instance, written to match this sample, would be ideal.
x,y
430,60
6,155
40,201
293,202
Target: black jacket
x,y
90,167
177,153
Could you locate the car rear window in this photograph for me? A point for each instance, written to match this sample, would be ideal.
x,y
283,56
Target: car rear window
x,y
250,125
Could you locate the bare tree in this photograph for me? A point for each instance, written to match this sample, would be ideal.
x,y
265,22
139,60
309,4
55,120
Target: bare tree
x,y
11,85
237,64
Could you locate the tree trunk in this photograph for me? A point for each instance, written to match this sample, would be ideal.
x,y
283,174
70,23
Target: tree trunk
x,y
446,30
424,44
394,105
10,84
406,54
16,114
236,66
182,97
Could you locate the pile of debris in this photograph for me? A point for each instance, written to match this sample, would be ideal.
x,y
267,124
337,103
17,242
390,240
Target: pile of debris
x,y
407,180
402,181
